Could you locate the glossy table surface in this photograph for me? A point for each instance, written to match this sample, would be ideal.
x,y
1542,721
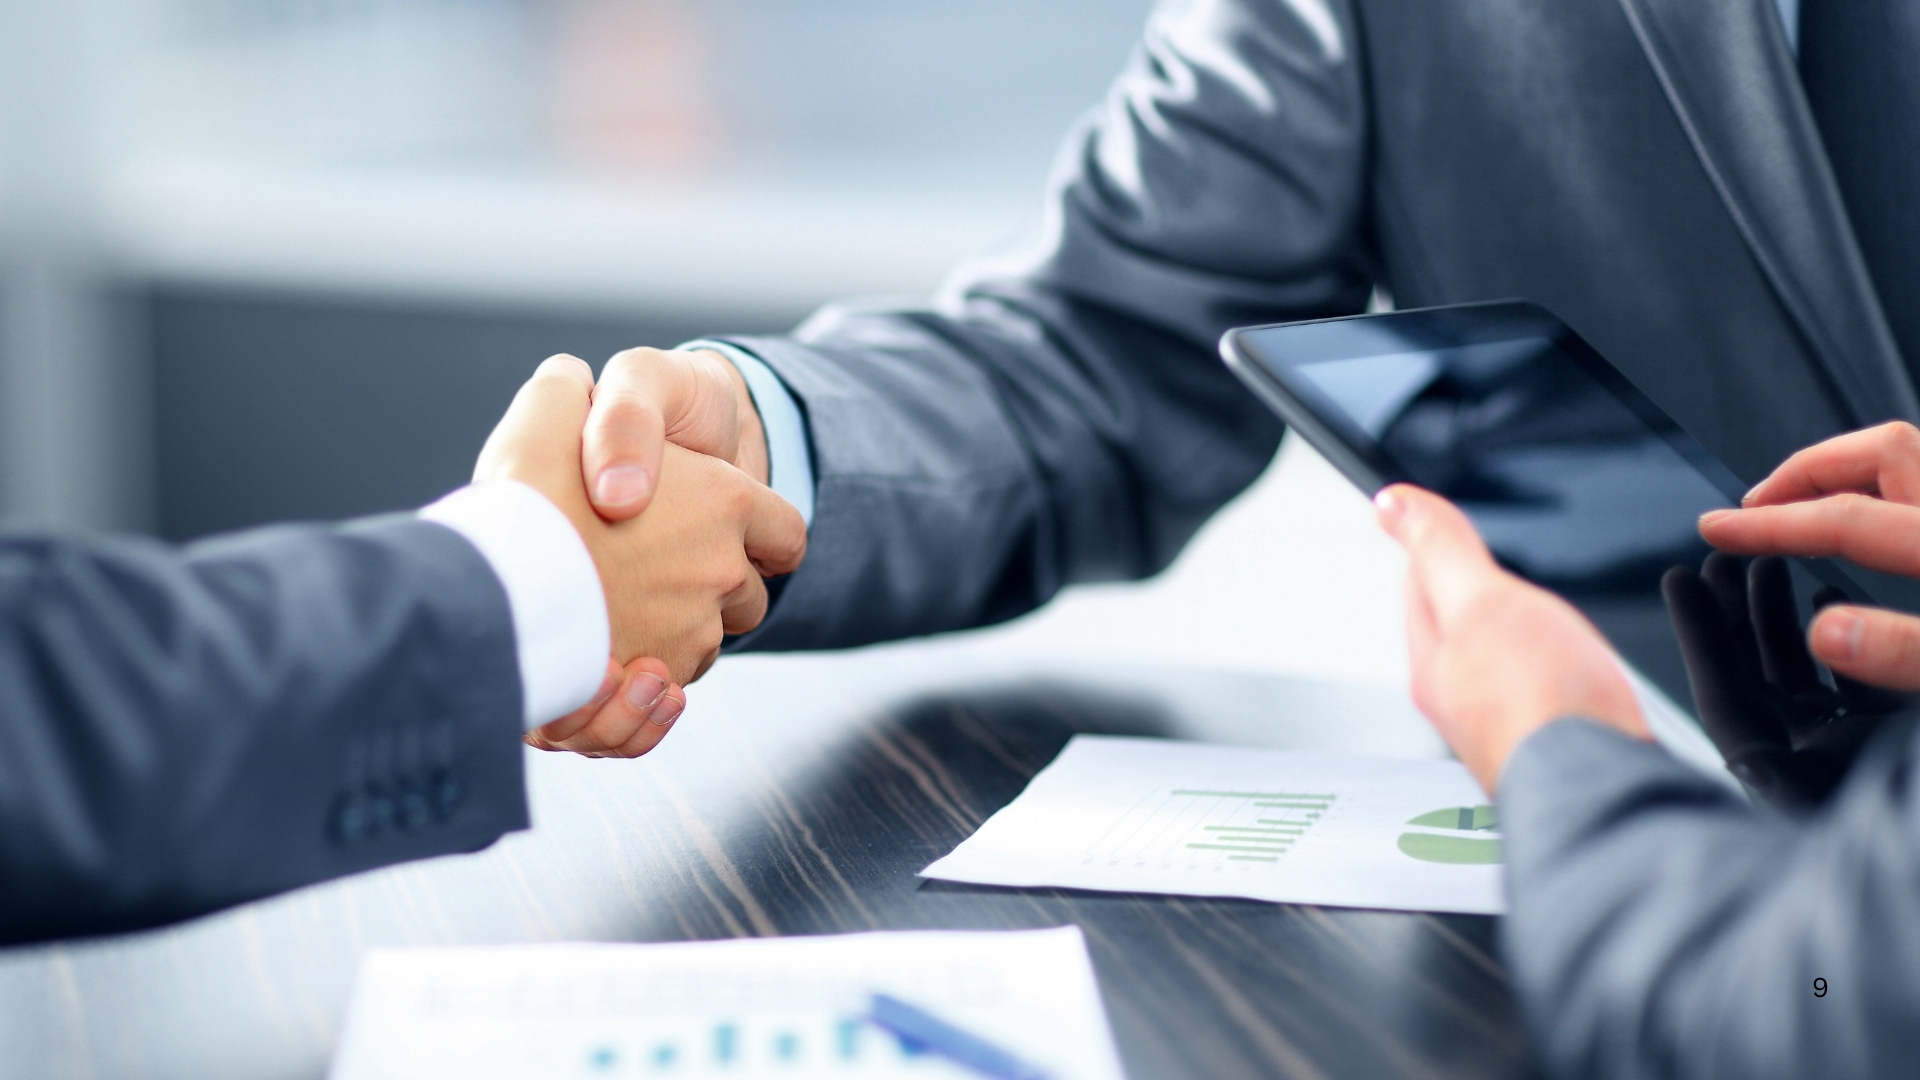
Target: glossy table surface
x,y
802,794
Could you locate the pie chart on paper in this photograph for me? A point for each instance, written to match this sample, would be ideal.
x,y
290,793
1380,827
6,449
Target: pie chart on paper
x,y
1457,834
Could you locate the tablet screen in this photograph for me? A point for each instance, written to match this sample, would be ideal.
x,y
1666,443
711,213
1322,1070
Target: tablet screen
x,y
1576,480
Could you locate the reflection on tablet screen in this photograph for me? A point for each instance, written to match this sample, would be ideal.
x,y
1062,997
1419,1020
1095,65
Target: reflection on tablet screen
x,y
1568,486
1577,480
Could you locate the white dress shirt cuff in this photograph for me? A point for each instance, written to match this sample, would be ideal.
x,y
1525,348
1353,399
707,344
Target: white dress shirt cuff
x,y
789,463
560,629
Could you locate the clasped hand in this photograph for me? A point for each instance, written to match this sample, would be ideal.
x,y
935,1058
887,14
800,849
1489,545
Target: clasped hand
x,y
680,523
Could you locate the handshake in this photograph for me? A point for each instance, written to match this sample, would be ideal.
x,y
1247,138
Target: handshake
x,y
662,469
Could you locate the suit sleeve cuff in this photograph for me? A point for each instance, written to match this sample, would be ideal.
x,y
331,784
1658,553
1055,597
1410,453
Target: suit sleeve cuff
x,y
789,463
560,629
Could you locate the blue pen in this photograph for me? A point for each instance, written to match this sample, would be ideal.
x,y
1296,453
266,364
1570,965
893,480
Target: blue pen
x,y
916,1025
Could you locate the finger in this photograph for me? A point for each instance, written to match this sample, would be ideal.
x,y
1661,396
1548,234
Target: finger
x,y
1882,461
1444,552
545,737
1784,659
1858,696
1878,647
1723,692
1423,646
541,427
776,537
1726,577
660,720
644,685
645,399
1872,532
626,433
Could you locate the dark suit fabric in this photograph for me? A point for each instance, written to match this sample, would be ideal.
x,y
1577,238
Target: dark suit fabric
x,y
1648,169
1659,926
185,729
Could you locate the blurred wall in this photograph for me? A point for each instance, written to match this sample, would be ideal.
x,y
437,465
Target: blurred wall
x,y
263,259
276,406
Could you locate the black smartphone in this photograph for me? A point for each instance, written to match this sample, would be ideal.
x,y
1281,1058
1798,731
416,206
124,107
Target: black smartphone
x,y
1577,480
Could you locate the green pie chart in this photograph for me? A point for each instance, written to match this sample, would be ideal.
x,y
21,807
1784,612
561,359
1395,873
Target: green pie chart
x,y
1458,845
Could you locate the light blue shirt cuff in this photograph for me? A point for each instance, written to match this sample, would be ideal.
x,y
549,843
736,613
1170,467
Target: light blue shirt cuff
x,y
789,462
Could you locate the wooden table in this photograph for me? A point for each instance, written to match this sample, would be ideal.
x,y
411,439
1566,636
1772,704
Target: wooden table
x,y
800,796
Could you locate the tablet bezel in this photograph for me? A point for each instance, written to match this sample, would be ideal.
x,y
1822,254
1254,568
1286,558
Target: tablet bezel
x,y
1358,455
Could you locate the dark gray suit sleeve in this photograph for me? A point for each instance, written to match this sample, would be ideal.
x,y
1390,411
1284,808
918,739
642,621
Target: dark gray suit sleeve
x,y
1062,415
181,730
1662,927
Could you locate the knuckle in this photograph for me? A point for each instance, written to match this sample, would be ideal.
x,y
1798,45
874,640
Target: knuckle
x,y
624,407
638,355
707,642
1851,508
629,365
565,366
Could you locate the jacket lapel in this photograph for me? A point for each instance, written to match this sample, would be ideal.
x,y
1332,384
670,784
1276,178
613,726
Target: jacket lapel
x,y
1730,76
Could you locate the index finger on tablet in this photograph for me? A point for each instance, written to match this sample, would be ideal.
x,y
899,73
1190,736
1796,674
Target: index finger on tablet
x,y
1876,534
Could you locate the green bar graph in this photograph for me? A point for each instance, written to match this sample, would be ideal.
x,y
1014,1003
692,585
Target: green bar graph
x,y
1252,829
1250,825
1254,794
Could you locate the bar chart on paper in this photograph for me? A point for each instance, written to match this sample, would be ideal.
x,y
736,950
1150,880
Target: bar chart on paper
x,y
1157,816
791,1008
1200,825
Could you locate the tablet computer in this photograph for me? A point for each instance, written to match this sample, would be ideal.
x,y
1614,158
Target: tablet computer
x,y
1577,480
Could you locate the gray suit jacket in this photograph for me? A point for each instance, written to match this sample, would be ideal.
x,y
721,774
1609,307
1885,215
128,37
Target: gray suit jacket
x,y
1660,926
1647,169
181,730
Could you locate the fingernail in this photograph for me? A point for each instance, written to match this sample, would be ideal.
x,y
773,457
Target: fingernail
x,y
1390,505
1712,516
665,713
645,690
622,485
1748,497
1837,635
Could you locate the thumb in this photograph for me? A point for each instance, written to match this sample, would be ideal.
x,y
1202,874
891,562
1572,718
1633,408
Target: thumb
x,y
645,398
1447,561
538,440
1880,648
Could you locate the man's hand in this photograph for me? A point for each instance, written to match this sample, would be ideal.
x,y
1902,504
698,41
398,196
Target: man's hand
x,y
1493,657
676,579
648,398
631,713
1856,496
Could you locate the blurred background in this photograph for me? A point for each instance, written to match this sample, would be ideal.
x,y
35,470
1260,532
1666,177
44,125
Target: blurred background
x,y
283,259
265,259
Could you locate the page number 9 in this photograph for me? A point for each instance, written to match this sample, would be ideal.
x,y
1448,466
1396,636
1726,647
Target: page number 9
x,y
1819,988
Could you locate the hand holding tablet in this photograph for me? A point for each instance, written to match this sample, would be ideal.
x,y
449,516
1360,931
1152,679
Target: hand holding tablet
x,y
1575,479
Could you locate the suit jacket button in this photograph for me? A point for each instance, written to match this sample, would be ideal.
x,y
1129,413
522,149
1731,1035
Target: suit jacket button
x,y
414,806
380,812
349,817
447,794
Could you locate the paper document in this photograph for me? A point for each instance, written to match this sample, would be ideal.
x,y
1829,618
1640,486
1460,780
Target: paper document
x,y
1158,816
769,1007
